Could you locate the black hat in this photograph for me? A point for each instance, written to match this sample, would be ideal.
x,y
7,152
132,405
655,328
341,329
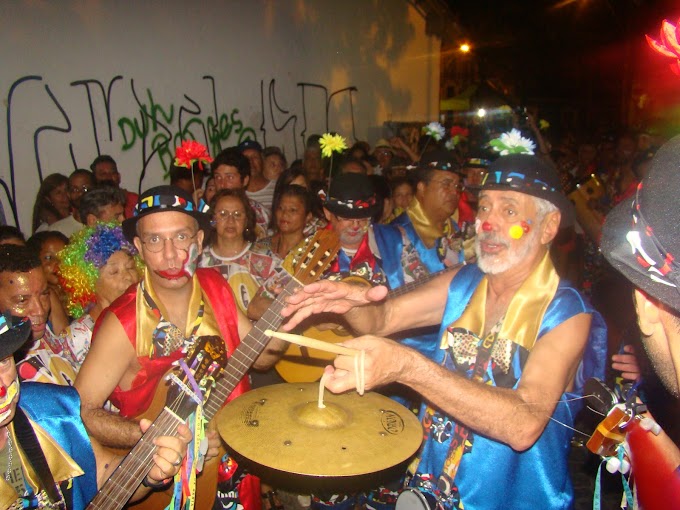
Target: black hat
x,y
532,176
641,236
250,144
14,333
352,196
439,159
163,199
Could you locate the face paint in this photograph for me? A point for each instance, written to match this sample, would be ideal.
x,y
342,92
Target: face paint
x,y
192,261
10,394
516,232
486,226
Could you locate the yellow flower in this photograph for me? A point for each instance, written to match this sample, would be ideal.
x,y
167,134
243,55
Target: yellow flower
x,y
331,143
543,124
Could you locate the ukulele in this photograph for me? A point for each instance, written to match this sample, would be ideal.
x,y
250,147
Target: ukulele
x,y
206,360
309,261
303,364
650,455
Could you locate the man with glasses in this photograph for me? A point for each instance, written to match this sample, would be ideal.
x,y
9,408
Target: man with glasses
x,y
146,330
231,170
79,182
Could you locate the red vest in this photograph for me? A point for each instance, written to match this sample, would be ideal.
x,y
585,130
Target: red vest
x,y
137,399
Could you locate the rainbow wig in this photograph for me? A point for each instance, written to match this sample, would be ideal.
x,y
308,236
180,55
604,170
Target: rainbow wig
x,y
80,261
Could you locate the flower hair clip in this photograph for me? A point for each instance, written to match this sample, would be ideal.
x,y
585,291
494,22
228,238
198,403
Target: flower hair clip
x,y
513,142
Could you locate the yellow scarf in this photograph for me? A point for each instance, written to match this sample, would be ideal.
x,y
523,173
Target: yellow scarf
x,y
147,320
428,232
522,321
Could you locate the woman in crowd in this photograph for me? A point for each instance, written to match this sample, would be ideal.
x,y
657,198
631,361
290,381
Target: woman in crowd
x,y
231,249
402,194
47,244
292,211
51,203
274,163
96,267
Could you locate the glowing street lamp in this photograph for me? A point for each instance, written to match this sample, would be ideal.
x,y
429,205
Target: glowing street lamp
x,y
465,48
481,113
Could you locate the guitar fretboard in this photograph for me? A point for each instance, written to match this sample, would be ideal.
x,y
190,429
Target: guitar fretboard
x,y
129,474
247,352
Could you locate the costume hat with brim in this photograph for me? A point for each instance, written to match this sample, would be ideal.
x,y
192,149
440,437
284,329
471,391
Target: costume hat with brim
x,y
14,332
439,159
164,199
530,175
352,196
641,235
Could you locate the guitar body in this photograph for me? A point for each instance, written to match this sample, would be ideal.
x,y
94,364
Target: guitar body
x,y
304,364
206,482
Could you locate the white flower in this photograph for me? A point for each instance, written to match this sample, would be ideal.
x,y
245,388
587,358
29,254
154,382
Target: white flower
x,y
513,143
450,144
435,130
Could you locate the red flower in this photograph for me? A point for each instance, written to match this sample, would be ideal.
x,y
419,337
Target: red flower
x,y
460,131
668,43
191,152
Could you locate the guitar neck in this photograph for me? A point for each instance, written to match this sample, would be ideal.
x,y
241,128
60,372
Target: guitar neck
x,y
129,474
247,352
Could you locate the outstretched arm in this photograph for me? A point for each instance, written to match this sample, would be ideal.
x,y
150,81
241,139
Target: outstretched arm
x,y
366,310
516,417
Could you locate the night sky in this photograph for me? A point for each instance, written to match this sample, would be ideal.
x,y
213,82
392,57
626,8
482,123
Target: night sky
x,y
579,56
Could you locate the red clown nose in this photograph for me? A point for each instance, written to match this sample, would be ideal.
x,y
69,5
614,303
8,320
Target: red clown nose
x,y
486,226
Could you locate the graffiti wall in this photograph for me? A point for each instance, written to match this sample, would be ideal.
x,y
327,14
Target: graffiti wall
x,y
132,79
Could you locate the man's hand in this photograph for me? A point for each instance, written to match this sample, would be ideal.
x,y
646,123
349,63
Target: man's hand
x,y
627,363
170,452
385,362
330,297
214,442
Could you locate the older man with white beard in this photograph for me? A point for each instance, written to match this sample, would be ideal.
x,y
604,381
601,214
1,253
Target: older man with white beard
x,y
515,346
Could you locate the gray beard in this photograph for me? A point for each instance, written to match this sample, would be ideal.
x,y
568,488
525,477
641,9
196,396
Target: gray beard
x,y
491,264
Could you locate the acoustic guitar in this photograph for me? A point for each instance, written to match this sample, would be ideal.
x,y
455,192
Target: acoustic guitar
x,y
303,364
206,360
309,261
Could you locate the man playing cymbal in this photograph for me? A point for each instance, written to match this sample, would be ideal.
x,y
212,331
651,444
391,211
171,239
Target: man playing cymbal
x,y
515,345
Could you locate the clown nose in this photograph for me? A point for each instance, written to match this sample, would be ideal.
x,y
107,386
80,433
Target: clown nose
x,y
486,226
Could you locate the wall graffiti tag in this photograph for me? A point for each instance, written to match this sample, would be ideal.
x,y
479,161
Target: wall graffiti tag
x,y
119,116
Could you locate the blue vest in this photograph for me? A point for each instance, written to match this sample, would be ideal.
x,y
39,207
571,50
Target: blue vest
x,y
493,475
57,410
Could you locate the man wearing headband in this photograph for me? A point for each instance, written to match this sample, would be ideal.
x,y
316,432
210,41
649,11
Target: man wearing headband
x,y
46,457
641,239
500,388
146,330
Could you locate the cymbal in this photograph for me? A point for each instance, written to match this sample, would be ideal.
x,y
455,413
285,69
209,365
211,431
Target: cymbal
x,y
282,427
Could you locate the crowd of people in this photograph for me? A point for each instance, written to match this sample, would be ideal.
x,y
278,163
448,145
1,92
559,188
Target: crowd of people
x,y
498,255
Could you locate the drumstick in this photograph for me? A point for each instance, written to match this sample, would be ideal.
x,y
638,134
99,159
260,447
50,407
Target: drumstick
x,y
313,343
359,356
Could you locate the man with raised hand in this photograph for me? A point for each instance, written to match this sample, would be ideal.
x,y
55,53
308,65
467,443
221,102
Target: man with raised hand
x,y
515,345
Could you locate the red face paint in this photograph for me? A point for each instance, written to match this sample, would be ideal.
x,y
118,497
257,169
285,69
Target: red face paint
x,y
3,392
486,226
525,226
174,274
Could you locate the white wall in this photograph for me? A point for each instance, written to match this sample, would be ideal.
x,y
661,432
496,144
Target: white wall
x,y
128,78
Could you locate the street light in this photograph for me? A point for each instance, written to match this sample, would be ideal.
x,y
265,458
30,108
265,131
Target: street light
x,y
465,48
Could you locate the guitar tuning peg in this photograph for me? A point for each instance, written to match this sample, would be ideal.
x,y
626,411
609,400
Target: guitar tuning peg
x,y
650,425
613,465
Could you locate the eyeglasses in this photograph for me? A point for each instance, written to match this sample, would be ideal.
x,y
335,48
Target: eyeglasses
x,y
181,241
81,189
449,184
224,215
